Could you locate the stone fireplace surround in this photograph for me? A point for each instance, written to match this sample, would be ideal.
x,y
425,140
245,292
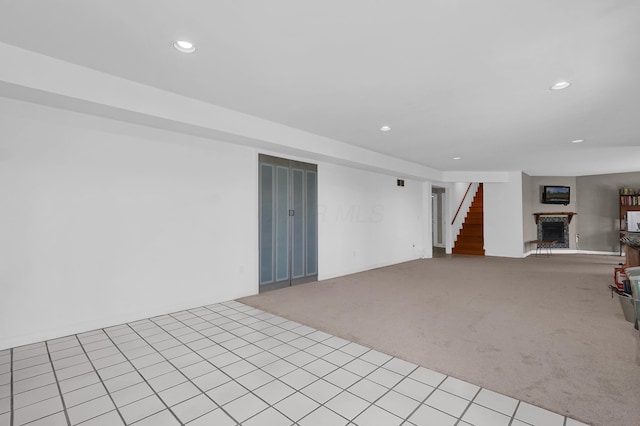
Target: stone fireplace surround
x,y
549,233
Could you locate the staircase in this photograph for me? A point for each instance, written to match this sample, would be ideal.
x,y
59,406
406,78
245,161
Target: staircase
x,y
471,237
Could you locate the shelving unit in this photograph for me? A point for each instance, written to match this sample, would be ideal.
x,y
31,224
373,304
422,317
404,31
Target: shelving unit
x,y
628,201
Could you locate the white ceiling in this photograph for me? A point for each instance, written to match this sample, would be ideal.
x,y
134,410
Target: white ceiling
x,y
452,78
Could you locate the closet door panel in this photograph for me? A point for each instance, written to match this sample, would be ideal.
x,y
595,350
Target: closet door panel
x,y
282,221
267,224
311,222
298,219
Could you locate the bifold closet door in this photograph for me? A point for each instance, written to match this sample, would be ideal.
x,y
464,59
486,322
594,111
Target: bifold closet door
x,y
288,222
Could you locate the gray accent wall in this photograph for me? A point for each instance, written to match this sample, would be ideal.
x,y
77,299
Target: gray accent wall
x,y
528,225
594,198
598,224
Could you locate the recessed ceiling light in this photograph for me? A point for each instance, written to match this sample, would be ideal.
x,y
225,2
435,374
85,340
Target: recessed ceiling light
x,y
457,158
184,46
385,128
578,141
560,85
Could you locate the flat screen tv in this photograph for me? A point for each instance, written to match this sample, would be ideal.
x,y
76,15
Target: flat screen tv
x,y
552,194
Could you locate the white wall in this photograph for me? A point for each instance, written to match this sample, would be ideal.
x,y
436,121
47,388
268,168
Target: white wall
x,y
366,221
30,76
503,235
457,191
104,222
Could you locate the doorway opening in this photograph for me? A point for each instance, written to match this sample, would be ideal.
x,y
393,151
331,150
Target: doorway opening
x,y
438,233
288,227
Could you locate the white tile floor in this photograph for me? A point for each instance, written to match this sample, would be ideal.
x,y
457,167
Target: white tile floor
x,y
229,364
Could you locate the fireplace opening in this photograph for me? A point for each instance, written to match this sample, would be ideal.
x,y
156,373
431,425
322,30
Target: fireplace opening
x,y
553,231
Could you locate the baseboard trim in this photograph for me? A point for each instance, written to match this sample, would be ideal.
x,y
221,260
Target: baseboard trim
x,y
573,251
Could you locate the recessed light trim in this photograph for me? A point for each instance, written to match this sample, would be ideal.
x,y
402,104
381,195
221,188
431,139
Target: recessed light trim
x,y
457,158
560,85
184,46
385,128
577,141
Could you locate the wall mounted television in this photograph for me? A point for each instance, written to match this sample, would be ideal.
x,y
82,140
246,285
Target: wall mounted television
x,y
552,194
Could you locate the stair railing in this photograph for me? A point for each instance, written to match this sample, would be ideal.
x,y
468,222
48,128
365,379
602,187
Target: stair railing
x,y
463,210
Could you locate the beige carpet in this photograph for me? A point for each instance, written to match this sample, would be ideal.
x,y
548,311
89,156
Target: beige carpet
x,y
541,329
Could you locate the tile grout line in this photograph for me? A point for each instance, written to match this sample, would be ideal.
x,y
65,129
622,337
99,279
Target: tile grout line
x,y
423,402
487,406
513,416
180,371
343,389
337,367
84,350
28,390
68,378
389,389
304,350
269,405
55,376
211,363
143,378
236,322
468,406
404,377
298,367
280,358
263,351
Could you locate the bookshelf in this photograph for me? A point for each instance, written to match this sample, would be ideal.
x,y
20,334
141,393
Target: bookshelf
x,y
629,201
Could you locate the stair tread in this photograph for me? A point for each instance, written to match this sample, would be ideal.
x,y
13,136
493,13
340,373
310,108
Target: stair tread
x,y
469,252
471,238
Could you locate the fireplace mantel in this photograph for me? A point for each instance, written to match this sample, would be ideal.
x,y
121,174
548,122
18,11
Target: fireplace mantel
x,y
568,214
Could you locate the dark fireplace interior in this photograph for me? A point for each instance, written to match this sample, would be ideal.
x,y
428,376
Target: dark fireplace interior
x,y
553,231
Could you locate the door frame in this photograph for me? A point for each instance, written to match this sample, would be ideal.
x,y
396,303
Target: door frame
x,y
439,199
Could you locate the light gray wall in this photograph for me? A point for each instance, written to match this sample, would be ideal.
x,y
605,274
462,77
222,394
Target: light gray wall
x,y
528,225
599,209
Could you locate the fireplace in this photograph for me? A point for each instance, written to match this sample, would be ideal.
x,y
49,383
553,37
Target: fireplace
x,y
554,229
